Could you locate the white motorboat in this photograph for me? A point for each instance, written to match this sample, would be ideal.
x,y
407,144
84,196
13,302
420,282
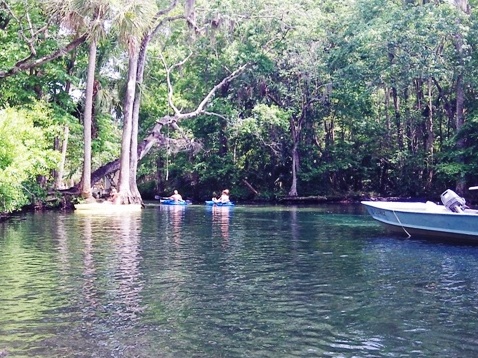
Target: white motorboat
x,y
452,220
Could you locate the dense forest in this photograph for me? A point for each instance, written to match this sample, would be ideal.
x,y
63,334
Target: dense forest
x,y
267,98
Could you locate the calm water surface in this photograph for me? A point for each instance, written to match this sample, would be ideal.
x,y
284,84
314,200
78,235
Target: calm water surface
x,y
234,282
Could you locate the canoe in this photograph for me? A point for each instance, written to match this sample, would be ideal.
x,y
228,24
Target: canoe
x,y
106,207
215,203
451,221
174,202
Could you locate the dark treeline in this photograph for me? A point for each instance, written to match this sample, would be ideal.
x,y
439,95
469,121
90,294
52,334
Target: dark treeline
x,y
269,99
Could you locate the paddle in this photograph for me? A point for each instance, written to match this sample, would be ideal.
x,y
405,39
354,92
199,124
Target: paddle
x,y
157,197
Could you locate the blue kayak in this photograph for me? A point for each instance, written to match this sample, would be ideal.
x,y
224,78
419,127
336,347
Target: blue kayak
x,y
174,202
215,203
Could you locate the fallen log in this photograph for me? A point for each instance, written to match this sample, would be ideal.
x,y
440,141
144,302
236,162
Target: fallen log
x,y
303,199
250,187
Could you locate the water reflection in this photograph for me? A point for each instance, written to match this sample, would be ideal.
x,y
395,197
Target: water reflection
x,y
220,220
128,273
119,236
61,235
89,291
175,217
268,282
108,294
294,226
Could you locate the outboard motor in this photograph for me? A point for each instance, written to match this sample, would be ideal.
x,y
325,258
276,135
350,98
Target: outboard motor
x,y
453,201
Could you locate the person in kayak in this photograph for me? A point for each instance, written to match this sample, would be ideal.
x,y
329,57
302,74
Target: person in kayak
x,y
176,196
224,198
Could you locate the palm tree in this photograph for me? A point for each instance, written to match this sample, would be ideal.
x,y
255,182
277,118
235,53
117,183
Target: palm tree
x,y
156,23
87,120
133,28
77,16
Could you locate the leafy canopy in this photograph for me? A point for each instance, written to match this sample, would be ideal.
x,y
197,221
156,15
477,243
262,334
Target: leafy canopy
x,y
25,153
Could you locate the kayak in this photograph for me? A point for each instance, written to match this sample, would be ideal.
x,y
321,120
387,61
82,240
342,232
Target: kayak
x,y
215,203
174,202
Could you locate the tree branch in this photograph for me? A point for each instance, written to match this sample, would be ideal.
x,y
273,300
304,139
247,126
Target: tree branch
x,y
206,100
26,64
156,137
168,80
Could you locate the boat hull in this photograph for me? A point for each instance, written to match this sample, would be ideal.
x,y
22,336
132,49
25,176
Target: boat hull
x,y
106,207
215,203
425,220
174,202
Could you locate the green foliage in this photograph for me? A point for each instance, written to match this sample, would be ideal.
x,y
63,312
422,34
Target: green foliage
x,y
358,87
260,142
462,162
107,144
342,58
25,154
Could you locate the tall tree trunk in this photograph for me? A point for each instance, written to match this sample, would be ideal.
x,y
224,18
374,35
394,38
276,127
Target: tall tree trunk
x,y
132,102
295,166
125,160
387,116
295,129
87,120
61,167
398,118
429,137
460,120
136,196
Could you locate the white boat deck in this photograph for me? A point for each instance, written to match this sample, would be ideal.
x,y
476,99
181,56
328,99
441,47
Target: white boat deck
x,y
425,219
418,207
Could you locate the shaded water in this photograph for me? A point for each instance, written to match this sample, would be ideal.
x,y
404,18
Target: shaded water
x,y
232,282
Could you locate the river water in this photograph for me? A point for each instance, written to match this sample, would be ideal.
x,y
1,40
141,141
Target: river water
x,y
248,281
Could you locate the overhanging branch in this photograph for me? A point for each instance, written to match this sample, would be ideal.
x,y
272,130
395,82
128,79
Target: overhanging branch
x,y
155,137
29,63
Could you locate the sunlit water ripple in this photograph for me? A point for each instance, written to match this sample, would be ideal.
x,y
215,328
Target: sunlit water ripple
x,y
233,282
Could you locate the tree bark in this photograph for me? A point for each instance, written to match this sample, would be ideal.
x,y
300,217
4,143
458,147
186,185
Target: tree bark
x,y
125,194
136,196
295,165
61,167
430,137
295,130
251,188
87,120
